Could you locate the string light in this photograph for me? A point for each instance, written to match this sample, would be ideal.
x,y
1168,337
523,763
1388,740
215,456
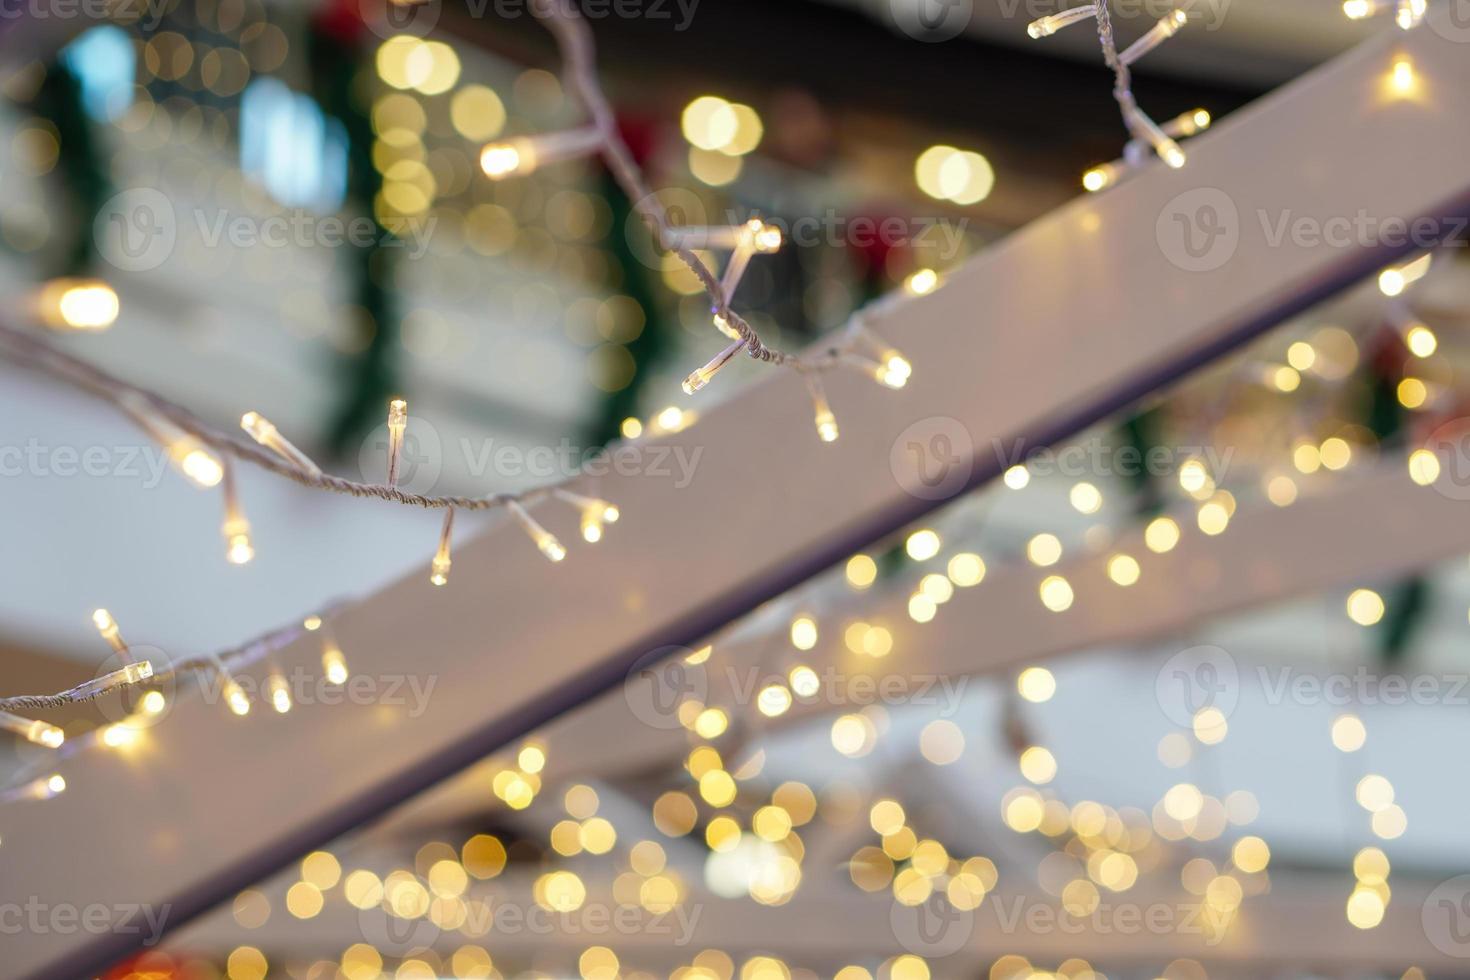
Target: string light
x,y
1190,123
544,539
601,136
397,425
236,529
45,788
1408,14
1144,130
702,376
107,626
826,422
40,732
751,239
236,698
279,693
1167,27
595,513
439,568
133,673
1050,24
334,661
263,432
523,156
78,304
921,282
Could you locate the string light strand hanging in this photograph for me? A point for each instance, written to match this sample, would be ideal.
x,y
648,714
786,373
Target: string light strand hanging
x,y
1147,135
600,137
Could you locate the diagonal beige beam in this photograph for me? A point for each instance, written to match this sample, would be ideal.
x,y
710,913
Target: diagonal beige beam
x,y
1060,324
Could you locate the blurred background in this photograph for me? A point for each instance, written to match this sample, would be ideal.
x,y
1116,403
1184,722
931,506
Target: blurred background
x,y
279,207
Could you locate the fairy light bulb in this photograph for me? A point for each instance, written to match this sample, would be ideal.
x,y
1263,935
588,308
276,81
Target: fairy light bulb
x,y
1360,9
826,422
766,238
334,663
279,693
595,512
922,282
125,676
263,432
439,567
46,787
153,703
1190,123
107,626
702,376
1404,80
1104,175
519,157
739,262
397,425
119,735
236,698
1050,24
33,730
1148,131
1410,13
196,462
544,539
893,370
502,160
1167,27
236,529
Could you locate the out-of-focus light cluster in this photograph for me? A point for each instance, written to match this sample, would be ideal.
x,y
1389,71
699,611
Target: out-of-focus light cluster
x,y
947,173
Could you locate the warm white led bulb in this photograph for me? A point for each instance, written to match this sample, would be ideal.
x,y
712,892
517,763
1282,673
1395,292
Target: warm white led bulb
x,y
545,541
236,698
263,432
334,663
439,567
1166,28
522,156
702,376
1050,24
397,425
279,692
33,730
